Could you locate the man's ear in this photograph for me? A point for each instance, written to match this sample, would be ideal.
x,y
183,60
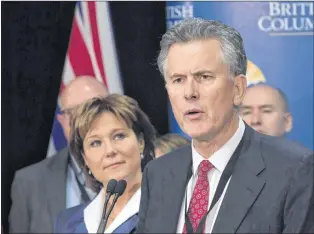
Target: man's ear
x,y
288,122
239,89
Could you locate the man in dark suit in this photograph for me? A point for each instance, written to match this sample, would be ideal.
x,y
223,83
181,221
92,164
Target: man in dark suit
x,y
231,179
41,191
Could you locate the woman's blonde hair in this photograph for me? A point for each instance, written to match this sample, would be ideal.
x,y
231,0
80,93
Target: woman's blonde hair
x,y
124,108
170,142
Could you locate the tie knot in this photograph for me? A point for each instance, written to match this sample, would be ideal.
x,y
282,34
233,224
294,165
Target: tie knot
x,y
204,168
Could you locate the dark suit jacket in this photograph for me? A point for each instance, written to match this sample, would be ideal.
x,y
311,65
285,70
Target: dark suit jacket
x,y
271,189
72,221
39,194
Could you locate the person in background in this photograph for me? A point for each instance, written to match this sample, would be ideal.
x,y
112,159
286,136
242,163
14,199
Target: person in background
x,y
112,138
266,110
169,142
40,191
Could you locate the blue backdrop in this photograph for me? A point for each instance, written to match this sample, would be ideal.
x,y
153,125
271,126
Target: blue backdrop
x,y
278,38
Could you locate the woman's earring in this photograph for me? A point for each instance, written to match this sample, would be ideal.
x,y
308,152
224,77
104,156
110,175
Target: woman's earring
x,y
142,155
89,172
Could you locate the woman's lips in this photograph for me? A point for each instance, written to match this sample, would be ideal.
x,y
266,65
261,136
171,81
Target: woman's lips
x,y
114,165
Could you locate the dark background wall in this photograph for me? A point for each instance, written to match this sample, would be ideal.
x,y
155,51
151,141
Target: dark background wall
x,y
34,42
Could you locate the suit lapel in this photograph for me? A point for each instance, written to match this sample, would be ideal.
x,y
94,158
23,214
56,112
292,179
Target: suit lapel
x,y
56,183
80,228
244,187
174,183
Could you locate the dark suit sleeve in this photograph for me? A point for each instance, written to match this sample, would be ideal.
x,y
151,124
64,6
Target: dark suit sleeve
x,y
57,224
19,215
299,207
144,202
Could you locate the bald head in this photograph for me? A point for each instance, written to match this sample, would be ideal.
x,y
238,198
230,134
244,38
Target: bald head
x,y
266,110
79,90
261,90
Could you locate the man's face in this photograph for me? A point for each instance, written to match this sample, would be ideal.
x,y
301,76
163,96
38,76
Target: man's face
x,y
263,110
65,118
73,97
200,89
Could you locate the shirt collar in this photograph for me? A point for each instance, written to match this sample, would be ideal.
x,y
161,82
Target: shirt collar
x,y
93,212
79,174
221,157
75,164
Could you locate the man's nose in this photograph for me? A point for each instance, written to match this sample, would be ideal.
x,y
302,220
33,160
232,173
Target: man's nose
x,y
191,91
256,118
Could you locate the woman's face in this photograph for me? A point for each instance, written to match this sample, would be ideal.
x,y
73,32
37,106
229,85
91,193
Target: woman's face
x,y
112,150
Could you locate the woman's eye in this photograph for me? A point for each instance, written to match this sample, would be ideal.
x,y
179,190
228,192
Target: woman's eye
x,y
119,136
95,143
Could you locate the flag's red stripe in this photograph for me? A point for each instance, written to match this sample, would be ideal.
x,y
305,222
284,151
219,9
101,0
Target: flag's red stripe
x,y
95,35
78,53
62,86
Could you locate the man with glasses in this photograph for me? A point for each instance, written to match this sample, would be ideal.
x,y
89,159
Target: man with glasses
x,y
41,191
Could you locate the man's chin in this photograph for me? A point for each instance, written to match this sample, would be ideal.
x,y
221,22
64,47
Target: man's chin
x,y
196,134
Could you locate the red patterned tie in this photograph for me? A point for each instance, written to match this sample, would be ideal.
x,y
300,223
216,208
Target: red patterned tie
x,y
199,202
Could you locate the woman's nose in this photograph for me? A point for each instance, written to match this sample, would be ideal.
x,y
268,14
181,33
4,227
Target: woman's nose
x,y
110,150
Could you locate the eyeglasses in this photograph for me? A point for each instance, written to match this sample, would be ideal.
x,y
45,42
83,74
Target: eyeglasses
x,y
67,111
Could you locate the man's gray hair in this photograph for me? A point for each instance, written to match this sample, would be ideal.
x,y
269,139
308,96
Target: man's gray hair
x,y
193,29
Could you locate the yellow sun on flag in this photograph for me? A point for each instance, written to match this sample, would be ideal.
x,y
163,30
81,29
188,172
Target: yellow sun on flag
x,y
254,74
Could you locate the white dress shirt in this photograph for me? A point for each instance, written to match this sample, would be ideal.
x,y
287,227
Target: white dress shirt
x,y
93,212
219,160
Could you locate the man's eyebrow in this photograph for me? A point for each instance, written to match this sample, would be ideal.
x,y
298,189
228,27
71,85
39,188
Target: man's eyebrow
x,y
266,106
176,75
245,107
201,72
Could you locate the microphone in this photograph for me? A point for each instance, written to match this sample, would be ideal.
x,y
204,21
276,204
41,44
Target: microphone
x,y
119,190
111,186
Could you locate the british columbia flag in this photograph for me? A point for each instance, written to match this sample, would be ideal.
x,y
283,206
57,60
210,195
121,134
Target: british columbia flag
x,y
91,51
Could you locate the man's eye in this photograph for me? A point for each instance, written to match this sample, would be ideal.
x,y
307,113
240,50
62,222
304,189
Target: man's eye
x,y
245,113
178,80
267,111
205,77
